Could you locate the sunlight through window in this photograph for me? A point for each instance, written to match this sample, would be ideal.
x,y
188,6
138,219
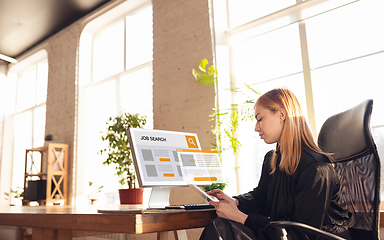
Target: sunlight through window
x,y
329,54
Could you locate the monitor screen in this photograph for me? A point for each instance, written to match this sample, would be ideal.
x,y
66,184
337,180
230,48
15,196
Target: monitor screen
x,y
155,155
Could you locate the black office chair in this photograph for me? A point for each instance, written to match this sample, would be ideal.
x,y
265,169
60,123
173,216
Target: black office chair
x,y
348,136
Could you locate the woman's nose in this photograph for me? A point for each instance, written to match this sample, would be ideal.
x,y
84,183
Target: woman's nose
x,y
257,127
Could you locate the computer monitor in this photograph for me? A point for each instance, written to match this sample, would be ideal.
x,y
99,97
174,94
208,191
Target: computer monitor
x,y
156,160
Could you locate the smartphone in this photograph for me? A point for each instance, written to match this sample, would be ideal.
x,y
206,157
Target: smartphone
x,y
203,194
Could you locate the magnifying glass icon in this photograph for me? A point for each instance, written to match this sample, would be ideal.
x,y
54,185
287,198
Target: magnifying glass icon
x,y
190,140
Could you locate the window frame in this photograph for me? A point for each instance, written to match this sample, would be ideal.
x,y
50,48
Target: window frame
x,y
87,81
14,74
226,36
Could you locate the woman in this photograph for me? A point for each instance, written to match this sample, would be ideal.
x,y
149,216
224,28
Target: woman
x,y
298,182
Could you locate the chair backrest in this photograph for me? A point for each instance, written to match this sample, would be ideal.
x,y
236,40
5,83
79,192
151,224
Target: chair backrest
x,y
348,137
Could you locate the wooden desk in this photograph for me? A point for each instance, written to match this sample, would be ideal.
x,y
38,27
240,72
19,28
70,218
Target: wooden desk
x,y
59,222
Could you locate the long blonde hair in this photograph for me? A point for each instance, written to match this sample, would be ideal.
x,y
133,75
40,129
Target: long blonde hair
x,y
295,130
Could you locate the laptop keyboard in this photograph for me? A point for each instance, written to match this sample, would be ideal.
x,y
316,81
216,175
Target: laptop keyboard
x,y
191,206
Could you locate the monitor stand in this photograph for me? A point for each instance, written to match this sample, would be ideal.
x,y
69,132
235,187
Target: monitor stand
x,y
159,197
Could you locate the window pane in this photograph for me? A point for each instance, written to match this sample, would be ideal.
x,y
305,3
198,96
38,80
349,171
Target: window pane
x,y
137,87
139,38
109,52
347,32
268,56
294,82
26,89
23,141
100,105
242,11
339,87
42,82
23,129
39,126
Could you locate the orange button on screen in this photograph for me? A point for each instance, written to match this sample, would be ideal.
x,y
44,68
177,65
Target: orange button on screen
x,y
201,179
168,174
197,174
191,141
165,159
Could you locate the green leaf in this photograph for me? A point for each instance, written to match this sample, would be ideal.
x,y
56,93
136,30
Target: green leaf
x,y
212,70
202,75
253,90
203,64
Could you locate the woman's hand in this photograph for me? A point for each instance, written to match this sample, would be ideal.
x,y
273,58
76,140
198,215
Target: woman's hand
x,y
227,207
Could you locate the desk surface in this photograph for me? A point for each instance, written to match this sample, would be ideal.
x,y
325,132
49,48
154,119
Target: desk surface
x,y
71,218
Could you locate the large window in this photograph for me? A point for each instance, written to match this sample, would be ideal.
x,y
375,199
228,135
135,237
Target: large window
x,y
29,117
115,77
329,53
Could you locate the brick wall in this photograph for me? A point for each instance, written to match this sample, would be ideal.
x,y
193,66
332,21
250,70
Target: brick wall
x,y
62,75
182,38
61,97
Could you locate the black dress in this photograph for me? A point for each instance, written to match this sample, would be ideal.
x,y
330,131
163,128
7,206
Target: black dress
x,y
311,196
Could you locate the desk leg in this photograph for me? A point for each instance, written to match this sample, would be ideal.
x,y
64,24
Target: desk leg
x,y
63,234
180,235
43,234
51,234
162,236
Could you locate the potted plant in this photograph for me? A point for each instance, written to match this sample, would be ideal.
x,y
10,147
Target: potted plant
x,y
17,194
93,192
119,154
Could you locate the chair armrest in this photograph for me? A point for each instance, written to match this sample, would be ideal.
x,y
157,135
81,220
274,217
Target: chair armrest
x,y
307,228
